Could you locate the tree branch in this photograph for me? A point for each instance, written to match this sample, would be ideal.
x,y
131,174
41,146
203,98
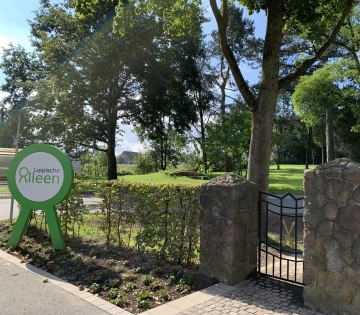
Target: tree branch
x,y
222,23
301,70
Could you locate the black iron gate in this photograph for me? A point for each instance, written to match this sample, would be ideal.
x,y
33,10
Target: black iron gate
x,y
281,226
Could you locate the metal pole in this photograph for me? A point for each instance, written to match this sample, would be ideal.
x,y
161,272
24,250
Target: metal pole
x,y
16,151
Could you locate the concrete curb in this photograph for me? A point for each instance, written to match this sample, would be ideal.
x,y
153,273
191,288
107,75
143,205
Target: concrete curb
x,y
84,295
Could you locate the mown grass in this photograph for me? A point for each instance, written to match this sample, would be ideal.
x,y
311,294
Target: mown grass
x,y
162,178
289,178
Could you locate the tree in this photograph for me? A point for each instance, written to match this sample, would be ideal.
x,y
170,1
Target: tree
x,y
317,96
228,138
280,13
90,70
312,20
21,70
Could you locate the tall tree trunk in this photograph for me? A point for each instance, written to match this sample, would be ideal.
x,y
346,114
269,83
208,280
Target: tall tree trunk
x,y
225,75
330,144
203,139
263,113
263,107
110,152
308,143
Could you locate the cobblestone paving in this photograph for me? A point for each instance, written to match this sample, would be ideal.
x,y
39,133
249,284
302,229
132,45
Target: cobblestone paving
x,y
259,296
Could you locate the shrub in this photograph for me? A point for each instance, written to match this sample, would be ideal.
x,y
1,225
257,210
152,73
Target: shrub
x,y
145,164
94,288
166,217
71,211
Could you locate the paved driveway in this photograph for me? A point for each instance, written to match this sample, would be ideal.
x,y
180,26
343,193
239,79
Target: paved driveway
x,y
90,201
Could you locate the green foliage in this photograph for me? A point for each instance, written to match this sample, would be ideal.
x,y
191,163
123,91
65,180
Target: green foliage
x,y
129,287
112,283
142,298
145,163
120,300
316,93
229,138
95,288
147,279
94,164
166,217
113,293
129,277
72,211
163,296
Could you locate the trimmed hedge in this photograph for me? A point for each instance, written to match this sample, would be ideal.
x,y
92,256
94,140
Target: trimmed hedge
x,y
164,218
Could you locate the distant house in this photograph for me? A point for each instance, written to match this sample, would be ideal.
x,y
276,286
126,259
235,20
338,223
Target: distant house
x,y
127,157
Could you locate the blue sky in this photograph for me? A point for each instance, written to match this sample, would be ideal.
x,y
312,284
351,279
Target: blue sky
x,y
14,28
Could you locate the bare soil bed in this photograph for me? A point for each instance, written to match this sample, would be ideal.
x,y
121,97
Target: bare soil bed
x,y
133,280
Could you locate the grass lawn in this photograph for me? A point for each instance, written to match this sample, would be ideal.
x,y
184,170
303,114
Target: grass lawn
x,y
288,179
126,167
161,178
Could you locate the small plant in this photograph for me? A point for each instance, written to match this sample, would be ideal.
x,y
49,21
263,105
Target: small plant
x,y
171,280
125,263
155,285
113,293
110,262
129,277
187,279
129,287
112,283
157,271
147,280
118,269
139,270
163,296
183,287
142,298
95,288
120,300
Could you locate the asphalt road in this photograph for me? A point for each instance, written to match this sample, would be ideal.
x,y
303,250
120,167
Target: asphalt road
x,y
90,201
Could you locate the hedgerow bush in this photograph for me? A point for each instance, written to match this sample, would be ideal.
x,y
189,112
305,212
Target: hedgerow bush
x,y
164,218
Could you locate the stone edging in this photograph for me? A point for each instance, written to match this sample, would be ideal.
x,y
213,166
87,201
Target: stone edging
x,y
170,308
84,295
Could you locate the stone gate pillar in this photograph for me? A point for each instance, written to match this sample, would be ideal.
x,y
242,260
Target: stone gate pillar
x,y
332,237
229,228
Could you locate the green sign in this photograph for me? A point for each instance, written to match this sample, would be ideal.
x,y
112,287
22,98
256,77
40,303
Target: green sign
x,y
39,177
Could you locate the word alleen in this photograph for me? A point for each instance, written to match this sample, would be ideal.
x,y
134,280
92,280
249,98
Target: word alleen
x,y
37,176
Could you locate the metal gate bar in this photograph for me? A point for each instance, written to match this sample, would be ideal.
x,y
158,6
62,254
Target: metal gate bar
x,y
283,260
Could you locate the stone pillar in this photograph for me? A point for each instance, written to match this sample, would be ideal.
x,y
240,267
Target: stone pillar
x,y
229,228
332,238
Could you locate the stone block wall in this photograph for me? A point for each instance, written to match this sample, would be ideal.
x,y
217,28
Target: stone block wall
x,y
332,238
229,228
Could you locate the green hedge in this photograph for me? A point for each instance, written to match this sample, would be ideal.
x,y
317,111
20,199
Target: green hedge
x,y
164,218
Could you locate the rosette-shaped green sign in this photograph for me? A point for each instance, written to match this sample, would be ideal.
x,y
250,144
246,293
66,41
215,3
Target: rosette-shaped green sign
x,y
39,177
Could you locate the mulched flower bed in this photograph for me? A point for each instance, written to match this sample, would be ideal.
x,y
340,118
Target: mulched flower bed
x,y
130,279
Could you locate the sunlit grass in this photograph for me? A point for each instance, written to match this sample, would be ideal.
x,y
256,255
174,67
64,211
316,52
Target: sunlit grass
x,y
162,178
4,189
289,178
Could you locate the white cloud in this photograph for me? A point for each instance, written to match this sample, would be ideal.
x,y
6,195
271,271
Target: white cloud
x,y
128,141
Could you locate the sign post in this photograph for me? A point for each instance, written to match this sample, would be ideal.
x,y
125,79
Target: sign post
x,y
39,177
